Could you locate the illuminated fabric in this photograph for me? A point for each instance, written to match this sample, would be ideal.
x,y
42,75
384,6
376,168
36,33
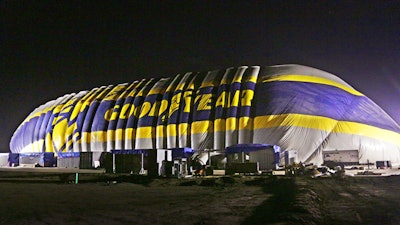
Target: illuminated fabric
x,y
296,107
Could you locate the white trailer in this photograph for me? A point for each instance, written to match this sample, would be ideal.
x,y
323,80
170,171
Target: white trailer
x,y
346,157
3,159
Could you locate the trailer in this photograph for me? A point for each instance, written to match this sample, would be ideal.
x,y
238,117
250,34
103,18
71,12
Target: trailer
x,y
343,157
4,159
42,159
133,161
252,158
68,159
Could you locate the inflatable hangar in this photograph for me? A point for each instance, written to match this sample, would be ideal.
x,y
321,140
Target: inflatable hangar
x,y
298,108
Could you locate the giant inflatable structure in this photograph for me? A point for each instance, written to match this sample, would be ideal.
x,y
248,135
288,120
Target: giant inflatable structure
x,y
293,106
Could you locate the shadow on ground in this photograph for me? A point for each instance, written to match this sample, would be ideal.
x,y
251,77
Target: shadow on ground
x,y
281,207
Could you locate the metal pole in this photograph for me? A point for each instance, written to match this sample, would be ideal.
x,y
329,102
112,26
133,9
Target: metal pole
x,y
113,162
142,169
209,157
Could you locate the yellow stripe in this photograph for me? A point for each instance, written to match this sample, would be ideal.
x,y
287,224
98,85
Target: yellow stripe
x,y
171,130
130,134
314,122
219,125
48,143
200,127
88,94
113,94
135,89
143,89
160,132
85,137
102,136
180,87
245,123
224,80
156,91
207,84
290,120
119,134
231,123
184,129
144,132
111,134
313,79
99,136
367,130
326,124
237,79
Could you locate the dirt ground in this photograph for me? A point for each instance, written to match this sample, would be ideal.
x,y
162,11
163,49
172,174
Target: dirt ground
x,y
223,200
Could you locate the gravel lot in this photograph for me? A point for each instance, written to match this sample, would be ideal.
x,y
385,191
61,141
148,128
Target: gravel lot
x,y
224,200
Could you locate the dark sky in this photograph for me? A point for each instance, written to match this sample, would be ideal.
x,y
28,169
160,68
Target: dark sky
x,y
51,48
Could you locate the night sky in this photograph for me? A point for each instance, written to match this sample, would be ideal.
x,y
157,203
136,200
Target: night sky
x,y
51,48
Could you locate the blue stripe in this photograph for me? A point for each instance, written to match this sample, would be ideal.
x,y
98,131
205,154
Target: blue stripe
x,y
163,117
285,97
99,123
121,124
147,120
